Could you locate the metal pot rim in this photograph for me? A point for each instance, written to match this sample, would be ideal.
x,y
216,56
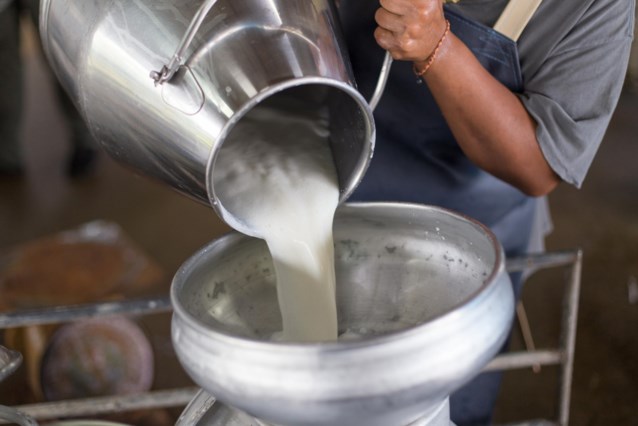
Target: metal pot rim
x,y
260,97
489,284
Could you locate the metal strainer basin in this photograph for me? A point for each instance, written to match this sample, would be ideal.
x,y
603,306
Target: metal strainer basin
x,y
423,301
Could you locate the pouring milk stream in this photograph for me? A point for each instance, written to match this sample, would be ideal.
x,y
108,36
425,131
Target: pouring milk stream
x,y
283,184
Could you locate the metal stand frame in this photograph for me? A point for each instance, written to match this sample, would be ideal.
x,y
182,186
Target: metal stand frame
x,y
564,354
89,407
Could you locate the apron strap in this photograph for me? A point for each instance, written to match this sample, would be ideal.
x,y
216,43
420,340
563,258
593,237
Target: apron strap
x,y
515,17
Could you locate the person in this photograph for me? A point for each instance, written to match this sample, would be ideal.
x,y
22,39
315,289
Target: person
x,y
83,154
491,125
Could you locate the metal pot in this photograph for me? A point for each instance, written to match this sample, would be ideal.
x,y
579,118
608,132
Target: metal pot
x,y
423,289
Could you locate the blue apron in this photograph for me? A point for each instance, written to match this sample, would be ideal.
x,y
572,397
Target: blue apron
x,y
417,159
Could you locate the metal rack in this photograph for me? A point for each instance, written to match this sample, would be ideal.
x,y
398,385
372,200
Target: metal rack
x,y
562,356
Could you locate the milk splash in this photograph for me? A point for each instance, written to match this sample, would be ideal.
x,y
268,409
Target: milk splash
x,y
284,185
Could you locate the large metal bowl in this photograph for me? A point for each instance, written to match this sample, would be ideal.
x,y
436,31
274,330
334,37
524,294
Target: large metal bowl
x,y
424,288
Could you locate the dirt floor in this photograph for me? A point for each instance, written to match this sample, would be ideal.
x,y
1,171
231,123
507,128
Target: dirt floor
x,y
601,219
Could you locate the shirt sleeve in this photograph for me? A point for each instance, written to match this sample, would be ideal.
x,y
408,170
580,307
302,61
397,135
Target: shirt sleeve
x,y
573,94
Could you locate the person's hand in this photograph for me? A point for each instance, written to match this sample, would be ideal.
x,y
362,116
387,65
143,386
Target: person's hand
x,y
410,29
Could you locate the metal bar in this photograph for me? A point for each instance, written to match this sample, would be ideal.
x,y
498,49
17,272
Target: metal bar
x,y
60,314
90,407
519,360
534,262
12,416
196,409
568,338
526,331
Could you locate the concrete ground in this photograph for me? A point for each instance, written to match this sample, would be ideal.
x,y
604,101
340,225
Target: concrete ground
x,y
601,218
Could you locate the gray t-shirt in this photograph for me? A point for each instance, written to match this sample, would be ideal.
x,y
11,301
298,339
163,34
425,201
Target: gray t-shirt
x,y
574,56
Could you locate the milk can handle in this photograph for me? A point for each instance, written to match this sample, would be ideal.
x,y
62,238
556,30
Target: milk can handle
x,y
383,79
168,71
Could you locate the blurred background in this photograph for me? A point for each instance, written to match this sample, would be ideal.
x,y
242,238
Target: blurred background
x,y
163,229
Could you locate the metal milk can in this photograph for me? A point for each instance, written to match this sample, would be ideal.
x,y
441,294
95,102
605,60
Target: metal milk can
x,y
162,83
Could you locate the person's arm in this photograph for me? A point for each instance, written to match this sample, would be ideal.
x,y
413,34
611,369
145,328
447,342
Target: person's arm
x,y
489,122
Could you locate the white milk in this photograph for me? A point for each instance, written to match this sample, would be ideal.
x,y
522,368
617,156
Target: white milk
x,y
284,185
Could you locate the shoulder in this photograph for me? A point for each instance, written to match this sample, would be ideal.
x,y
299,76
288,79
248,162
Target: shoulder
x,y
614,17
574,57
608,19
622,10
561,26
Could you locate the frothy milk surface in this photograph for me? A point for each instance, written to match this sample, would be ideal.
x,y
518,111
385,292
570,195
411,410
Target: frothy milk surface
x,y
283,184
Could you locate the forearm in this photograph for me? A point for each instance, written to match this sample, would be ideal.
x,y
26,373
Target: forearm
x,y
489,122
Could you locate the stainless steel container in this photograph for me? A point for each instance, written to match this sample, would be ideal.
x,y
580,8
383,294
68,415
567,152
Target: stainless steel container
x,y
163,83
423,290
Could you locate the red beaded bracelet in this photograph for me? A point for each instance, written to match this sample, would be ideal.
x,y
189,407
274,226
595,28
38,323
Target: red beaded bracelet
x,y
432,57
